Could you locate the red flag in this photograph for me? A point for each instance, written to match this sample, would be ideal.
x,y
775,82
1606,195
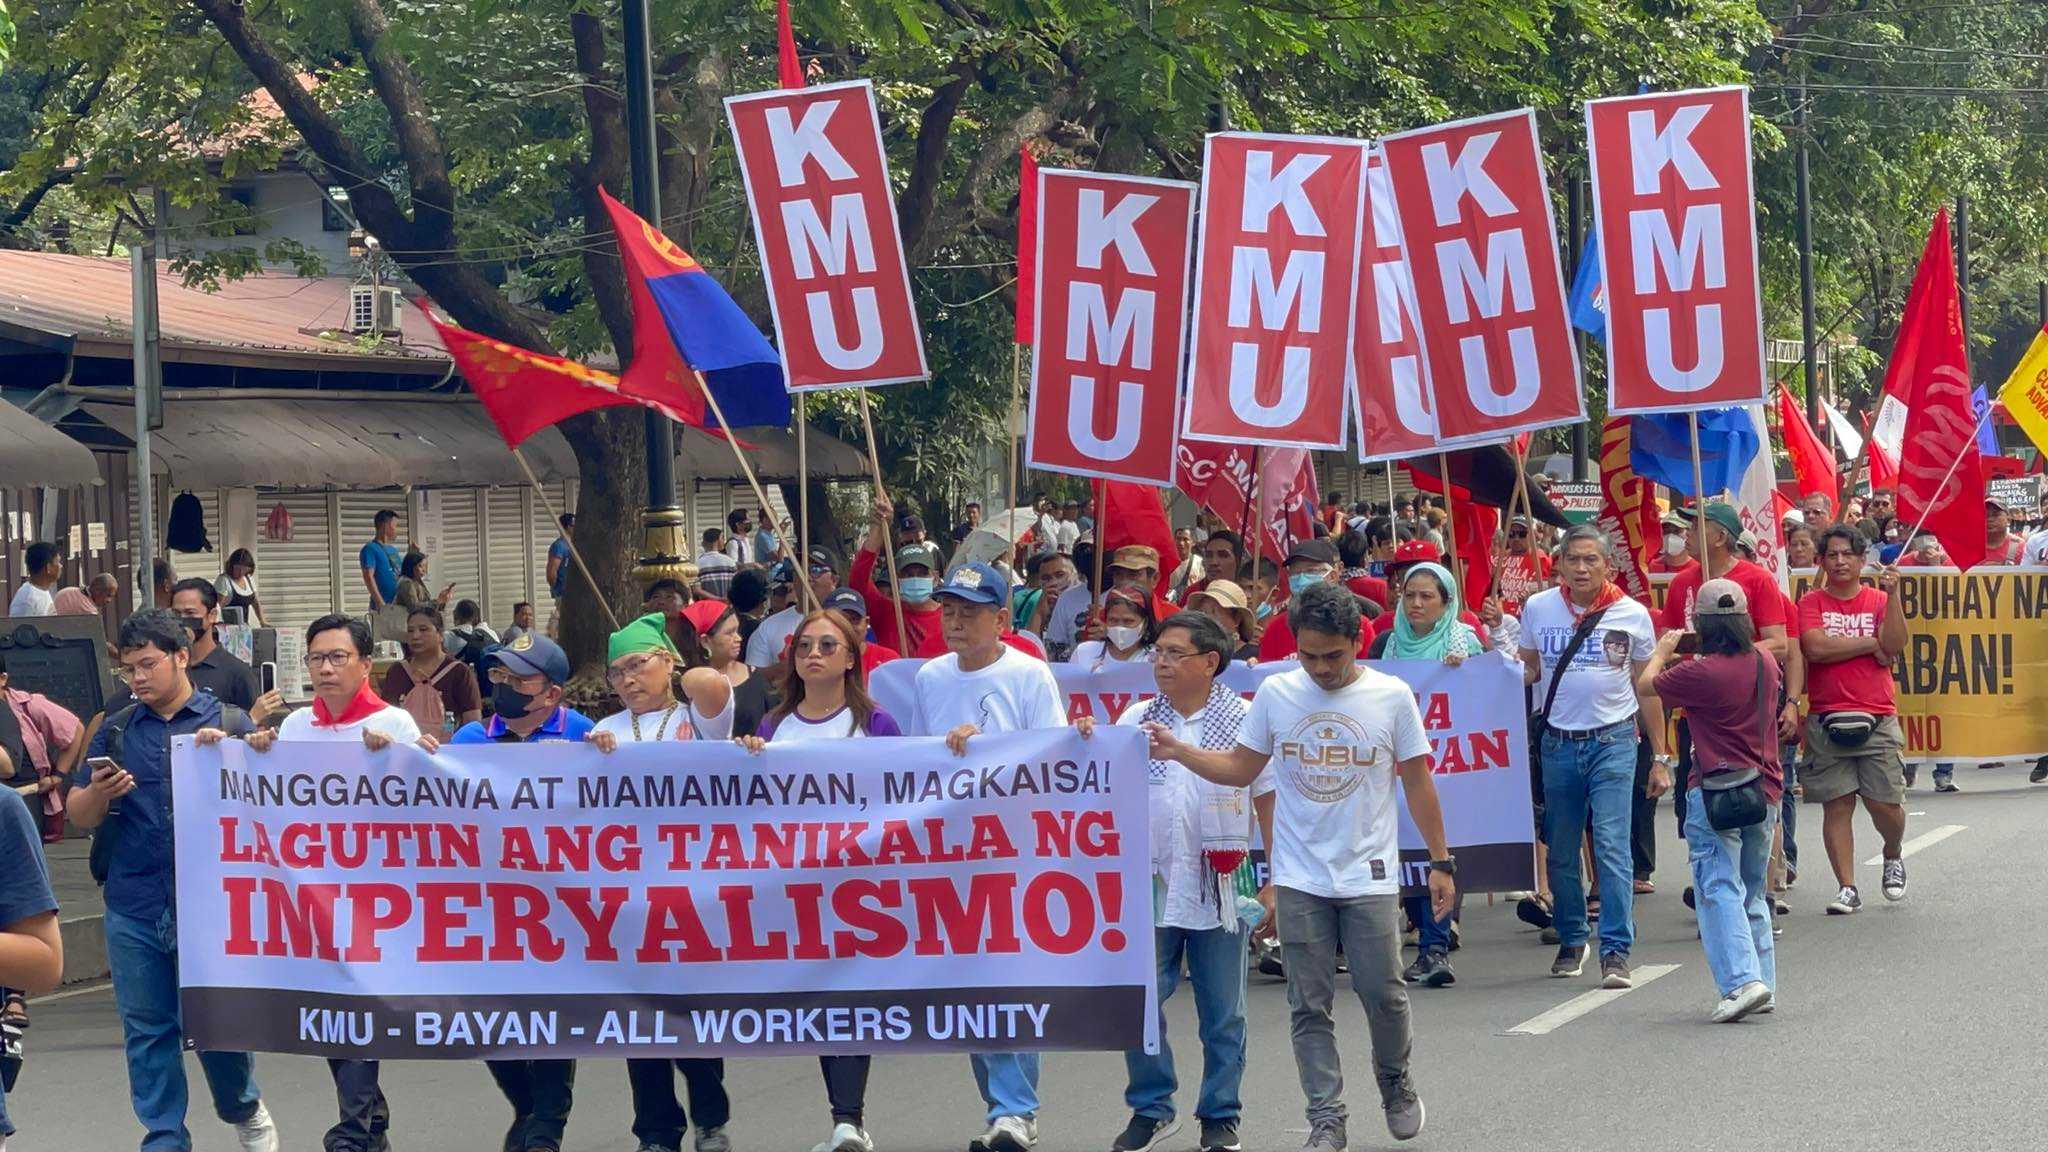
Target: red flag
x,y
788,72
1127,514
1027,242
1477,526
1812,461
1628,510
1941,473
1218,478
1287,498
523,391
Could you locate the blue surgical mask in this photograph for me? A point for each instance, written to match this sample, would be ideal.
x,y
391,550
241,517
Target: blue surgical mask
x,y
1303,581
1265,609
918,589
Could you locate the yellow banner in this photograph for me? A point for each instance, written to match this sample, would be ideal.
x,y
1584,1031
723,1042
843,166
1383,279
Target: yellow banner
x,y
2025,393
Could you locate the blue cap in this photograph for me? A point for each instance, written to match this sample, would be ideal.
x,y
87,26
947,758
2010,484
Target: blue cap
x,y
531,655
847,600
975,583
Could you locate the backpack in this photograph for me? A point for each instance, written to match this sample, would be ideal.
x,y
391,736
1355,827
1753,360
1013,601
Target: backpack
x,y
233,721
185,529
423,700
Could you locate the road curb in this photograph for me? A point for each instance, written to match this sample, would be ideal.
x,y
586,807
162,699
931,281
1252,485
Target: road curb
x,y
85,948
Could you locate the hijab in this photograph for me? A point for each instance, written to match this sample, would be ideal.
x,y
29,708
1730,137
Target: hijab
x,y
1449,633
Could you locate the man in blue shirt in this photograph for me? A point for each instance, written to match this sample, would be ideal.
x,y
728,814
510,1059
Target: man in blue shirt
x,y
130,804
380,559
558,558
527,678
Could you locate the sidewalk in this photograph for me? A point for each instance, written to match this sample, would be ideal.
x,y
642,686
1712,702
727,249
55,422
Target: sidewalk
x,y
79,909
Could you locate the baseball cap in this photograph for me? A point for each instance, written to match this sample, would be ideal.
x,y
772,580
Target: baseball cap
x,y
1726,516
1721,597
1416,552
1676,520
975,583
822,561
847,600
910,523
925,553
1136,558
1794,516
1312,552
531,655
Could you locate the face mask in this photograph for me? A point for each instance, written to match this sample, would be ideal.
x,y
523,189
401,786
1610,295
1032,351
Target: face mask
x,y
1303,581
510,702
918,589
1124,637
195,625
1674,545
1265,610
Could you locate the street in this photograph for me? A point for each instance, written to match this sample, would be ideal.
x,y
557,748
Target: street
x,y
1917,1022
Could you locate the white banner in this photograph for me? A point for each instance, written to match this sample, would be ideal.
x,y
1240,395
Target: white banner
x,y
504,901
1479,750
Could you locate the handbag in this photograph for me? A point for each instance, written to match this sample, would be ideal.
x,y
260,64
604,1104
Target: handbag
x,y
1848,729
1735,798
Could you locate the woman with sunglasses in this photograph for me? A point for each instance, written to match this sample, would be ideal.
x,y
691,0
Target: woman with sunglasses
x,y
823,699
1128,632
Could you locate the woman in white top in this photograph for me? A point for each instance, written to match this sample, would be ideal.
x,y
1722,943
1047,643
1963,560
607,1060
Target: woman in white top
x,y
1128,630
823,699
237,587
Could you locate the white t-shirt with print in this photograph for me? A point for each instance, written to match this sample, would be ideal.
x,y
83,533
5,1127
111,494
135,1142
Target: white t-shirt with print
x,y
683,724
1335,757
1014,694
1069,612
764,647
2036,554
390,721
1599,688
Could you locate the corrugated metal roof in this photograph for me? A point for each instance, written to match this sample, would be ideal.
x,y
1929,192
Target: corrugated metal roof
x,y
703,457
86,299
32,453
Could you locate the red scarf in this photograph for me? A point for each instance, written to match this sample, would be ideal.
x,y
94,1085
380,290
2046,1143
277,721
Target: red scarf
x,y
1609,593
365,703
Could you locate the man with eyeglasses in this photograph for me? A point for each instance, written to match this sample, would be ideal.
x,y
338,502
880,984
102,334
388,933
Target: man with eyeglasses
x,y
130,804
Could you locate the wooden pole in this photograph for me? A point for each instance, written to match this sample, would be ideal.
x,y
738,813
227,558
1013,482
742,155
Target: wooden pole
x,y
867,425
803,493
575,553
753,482
1010,426
1255,526
1699,499
1945,478
1390,496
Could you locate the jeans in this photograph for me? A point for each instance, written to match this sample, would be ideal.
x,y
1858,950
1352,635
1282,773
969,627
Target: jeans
x,y
144,957
1788,808
1216,971
657,1117
365,1117
1431,934
1008,1082
541,1092
1589,778
1369,928
1730,875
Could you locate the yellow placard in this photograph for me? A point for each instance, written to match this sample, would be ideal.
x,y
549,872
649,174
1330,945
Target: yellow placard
x,y
2025,393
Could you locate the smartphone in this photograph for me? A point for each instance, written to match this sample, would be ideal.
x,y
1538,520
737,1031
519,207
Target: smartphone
x,y
266,674
1688,644
93,766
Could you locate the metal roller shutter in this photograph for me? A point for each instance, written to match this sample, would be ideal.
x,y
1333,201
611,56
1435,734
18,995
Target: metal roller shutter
x,y
508,531
459,561
295,578
707,510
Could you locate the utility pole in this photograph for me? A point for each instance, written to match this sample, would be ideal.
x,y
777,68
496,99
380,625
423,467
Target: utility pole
x,y
1809,329
1574,204
149,393
664,548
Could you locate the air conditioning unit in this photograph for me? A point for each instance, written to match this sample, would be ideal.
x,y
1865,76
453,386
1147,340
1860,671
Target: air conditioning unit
x,y
373,310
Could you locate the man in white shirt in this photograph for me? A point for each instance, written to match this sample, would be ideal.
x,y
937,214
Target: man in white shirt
x,y
982,685
45,567
1338,733
1589,744
1200,832
1067,529
739,542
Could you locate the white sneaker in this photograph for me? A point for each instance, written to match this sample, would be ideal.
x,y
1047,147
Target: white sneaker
x,y
1007,1134
1741,1002
1769,1005
259,1132
846,1138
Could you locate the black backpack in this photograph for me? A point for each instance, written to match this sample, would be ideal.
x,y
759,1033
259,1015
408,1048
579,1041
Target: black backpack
x,y
185,530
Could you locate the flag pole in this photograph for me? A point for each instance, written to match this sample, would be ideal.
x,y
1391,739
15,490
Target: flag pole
x,y
803,491
1699,498
1946,477
1255,527
1390,497
1443,468
753,482
1010,431
575,553
867,425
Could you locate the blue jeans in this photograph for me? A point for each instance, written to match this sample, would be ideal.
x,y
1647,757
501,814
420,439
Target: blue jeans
x,y
1589,778
1730,878
1431,935
144,957
1008,1083
1216,970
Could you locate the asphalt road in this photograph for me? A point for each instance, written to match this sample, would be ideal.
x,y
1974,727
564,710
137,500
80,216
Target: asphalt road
x,y
1918,1025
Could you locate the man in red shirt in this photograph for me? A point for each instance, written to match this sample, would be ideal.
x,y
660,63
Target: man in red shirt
x,y
1524,573
1851,635
1353,551
854,607
1311,562
2000,545
1766,607
1675,556
917,568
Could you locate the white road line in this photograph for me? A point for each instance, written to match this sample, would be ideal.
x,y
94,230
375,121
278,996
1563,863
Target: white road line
x,y
1578,1006
68,993
1924,840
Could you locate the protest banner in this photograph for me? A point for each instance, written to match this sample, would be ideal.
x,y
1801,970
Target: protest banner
x,y
1110,320
1970,683
1274,282
817,181
1390,389
1479,238
662,901
1579,500
1479,750
2016,494
1674,206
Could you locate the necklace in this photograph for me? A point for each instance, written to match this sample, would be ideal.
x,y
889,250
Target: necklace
x,y
660,733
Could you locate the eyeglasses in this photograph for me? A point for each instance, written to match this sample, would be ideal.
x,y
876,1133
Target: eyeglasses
x,y
823,646
148,667
1174,655
334,659
626,668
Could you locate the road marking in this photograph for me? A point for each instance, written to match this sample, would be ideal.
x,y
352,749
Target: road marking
x,y
95,986
1924,840
1578,1006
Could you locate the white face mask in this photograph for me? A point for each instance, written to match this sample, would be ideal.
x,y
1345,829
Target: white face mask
x,y
1124,637
1674,545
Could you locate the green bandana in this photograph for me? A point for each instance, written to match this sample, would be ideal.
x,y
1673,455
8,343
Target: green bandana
x,y
647,634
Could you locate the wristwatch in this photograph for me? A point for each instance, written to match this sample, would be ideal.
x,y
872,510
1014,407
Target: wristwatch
x,y
1448,865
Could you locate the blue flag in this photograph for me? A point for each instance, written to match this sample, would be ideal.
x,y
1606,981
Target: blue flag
x,y
1987,436
1589,296
1661,449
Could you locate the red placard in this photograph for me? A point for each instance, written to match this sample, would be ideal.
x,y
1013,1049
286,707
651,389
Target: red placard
x,y
1673,199
1477,232
1274,289
1390,384
838,284
1110,317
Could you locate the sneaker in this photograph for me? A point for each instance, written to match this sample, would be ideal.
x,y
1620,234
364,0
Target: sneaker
x,y
1536,914
1220,1136
1457,936
1007,1134
1405,1113
515,1136
1779,907
1769,1005
1325,1136
1412,974
1549,937
713,1140
847,1138
1895,880
1691,901
1269,961
1144,1133
1741,1002
1846,902
2040,771
259,1132
1433,970
1570,961
1614,972
1946,784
